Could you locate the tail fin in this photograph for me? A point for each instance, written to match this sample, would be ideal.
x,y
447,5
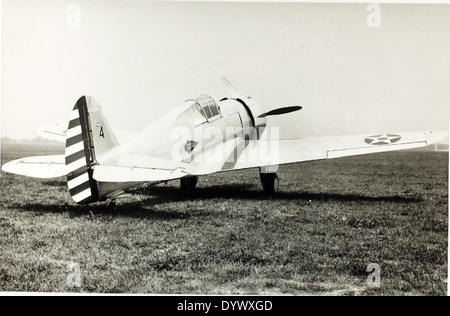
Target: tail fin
x,y
88,136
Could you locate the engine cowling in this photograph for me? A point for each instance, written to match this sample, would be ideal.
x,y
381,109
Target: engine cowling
x,y
254,110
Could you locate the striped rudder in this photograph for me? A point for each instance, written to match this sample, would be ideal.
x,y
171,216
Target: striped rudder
x,y
80,154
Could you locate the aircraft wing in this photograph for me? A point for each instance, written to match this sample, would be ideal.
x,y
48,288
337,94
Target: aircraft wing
x,y
276,152
128,167
259,153
45,167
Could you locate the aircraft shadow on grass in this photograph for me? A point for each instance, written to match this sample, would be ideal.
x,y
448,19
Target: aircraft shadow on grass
x,y
250,192
158,195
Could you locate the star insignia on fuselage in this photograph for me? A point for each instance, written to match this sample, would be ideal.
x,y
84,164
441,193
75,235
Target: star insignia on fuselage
x,y
383,139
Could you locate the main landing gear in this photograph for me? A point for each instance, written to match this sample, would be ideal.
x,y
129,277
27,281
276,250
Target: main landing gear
x,y
111,205
270,183
188,184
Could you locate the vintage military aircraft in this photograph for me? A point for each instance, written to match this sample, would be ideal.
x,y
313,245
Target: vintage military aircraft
x,y
199,137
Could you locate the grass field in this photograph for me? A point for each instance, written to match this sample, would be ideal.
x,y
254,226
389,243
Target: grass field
x,y
330,220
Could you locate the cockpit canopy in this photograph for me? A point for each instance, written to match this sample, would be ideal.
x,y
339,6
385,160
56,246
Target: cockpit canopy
x,y
201,110
208,107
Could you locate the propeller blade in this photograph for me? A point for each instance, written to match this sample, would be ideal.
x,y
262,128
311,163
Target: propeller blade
x,y
231,89
285,110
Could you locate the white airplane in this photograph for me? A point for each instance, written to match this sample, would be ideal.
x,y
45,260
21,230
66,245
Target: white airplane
x,y
199,137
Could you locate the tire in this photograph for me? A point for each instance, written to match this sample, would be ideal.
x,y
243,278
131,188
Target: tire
x,y
188,184
270,182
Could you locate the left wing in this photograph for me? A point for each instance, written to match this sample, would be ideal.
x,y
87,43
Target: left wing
x,y
259,153
136,168
276,152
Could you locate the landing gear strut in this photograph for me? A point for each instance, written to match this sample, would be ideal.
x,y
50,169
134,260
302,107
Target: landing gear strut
x,y
270,182
188,184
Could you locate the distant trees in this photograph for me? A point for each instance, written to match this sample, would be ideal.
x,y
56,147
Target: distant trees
x,y
36,140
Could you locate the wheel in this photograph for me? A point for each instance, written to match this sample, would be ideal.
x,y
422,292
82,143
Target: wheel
x,y
270,183
112,206
188,184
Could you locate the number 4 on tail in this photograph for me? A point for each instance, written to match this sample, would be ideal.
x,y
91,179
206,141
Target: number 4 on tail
x,y
101,132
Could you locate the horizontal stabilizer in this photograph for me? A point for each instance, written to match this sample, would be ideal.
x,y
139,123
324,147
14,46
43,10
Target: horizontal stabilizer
x,y
54,131
44,167
140,168
135,174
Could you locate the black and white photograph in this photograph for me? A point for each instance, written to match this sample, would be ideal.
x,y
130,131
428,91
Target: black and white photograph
x,y
234,151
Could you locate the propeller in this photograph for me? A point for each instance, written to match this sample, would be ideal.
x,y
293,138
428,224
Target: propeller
x,y
254,109
285,110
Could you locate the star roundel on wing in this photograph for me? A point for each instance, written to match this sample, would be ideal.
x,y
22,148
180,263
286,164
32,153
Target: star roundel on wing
x,y
383,139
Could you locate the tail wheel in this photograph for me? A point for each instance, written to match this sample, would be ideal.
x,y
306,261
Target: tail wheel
x,y
188,184
270,183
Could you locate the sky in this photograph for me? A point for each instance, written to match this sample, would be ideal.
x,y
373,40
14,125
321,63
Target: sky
x,y
140,59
